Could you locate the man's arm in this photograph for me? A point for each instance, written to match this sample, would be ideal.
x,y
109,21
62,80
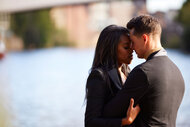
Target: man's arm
x,y
136,87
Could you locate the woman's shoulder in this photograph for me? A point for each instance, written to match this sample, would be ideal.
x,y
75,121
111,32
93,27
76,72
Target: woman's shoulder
x,y
97,72
96,79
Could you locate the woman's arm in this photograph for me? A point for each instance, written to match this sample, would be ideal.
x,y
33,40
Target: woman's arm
x,y
97,91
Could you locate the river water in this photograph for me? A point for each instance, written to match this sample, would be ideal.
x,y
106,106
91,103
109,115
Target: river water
x,y
46,87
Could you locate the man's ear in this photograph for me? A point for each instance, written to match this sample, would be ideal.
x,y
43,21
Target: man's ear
x,y
145,38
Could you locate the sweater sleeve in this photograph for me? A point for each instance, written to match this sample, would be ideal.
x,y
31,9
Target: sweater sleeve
x,y
96,95
135,87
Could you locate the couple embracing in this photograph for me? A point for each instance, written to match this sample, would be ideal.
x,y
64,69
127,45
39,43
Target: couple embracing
x,y
147,96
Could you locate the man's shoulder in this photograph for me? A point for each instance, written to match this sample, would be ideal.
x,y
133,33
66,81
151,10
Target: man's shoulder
x,y
155,62
150,65
139,68
138,71
137,77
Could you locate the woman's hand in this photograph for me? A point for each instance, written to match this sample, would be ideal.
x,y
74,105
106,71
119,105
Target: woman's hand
x,y
132,113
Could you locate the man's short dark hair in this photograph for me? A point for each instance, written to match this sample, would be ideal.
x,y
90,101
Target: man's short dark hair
x,y
144,24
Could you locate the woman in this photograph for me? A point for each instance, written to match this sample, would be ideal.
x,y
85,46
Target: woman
x,y
108,73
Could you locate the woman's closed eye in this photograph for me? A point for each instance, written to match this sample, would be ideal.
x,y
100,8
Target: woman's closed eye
x,y
127,47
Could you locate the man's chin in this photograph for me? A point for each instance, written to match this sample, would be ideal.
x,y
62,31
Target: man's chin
x,y
140,57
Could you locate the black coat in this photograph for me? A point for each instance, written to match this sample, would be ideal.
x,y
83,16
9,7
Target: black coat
x,y
102,87
158,86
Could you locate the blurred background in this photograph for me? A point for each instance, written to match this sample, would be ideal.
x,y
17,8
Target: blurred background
x,y
47,48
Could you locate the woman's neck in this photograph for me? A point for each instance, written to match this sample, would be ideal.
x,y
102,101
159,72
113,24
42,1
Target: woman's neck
x,y
119,69
122,74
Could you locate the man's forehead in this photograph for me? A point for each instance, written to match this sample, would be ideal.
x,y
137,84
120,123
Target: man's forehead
x,y
131,31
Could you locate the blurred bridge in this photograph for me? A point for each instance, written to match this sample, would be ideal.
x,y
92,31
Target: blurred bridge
x,y
14,6
91,15
11,6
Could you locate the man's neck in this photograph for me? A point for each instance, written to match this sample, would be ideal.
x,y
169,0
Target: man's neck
x,y
151,51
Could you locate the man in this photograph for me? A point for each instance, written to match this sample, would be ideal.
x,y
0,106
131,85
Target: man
x,y
156,85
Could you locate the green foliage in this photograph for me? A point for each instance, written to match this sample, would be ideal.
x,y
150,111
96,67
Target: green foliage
x,y
37,29
59,38
186,39
174,41
184,19
170,39
184,15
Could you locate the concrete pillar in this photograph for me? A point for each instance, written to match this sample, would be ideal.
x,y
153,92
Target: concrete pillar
x,y
4,26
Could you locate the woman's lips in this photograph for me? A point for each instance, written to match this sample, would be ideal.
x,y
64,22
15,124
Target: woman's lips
x,y
131,56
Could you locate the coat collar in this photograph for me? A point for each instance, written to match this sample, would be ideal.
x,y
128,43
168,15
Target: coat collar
x,y
161,52
113,74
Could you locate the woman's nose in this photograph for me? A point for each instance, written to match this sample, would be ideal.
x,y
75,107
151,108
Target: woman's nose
x,y
131,50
